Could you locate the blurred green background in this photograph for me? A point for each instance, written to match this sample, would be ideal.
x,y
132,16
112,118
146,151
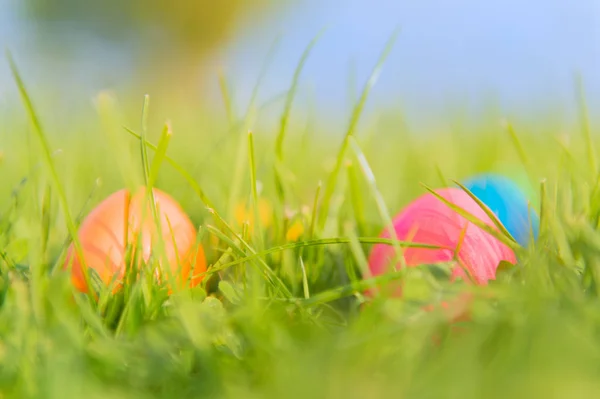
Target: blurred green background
x,y
458,71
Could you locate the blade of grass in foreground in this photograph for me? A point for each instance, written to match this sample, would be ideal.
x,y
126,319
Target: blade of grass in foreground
x,y
236,180
160,153
291,94
520,150
154,169
274,279
313,217
381,206
585,126
150,171
149,194
195,186
144,135
356,113
305,287
78,220
349,289
46,218
487,211
443,180
383,211
584,122
257,222
47,154
208,157
543,207
106,106
246,124
360,258
226,94
311,230
322,242
286,115
488,229
356,198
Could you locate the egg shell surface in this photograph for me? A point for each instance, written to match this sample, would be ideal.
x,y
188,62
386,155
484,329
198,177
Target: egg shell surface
x,y
428,220
508,202
117,221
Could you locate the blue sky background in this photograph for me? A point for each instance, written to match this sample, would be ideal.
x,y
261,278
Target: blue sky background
x,y
523,51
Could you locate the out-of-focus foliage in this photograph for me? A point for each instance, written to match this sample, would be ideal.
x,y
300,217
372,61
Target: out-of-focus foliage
x,y
170,46
195,24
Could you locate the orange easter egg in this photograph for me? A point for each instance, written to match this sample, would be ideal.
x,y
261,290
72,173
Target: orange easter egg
x,y
118,221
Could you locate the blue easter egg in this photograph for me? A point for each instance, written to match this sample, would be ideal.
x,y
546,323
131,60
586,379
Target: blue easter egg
x,y
509,204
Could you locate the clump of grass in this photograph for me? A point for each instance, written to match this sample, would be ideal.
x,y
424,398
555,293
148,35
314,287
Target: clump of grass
x,y
279,318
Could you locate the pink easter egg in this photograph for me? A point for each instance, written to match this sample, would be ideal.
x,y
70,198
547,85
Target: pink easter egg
x,y
428,220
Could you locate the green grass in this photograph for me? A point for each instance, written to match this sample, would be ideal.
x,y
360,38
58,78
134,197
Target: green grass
x,y
282,319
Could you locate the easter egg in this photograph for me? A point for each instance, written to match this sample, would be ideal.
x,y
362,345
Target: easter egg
x,y
120,220
428,220
508,202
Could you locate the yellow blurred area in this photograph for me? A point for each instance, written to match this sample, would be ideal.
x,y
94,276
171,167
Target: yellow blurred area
x,y
200,24
174,44
245,213
194,24
295,231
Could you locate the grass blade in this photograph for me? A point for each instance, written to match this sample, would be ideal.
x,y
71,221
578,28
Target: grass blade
x,y
356,113
304,279
286,115
349,289
585,126
193,184
160,153
47,154
487,211
225,93
149,195
144,135
313,217
106,107
274,279
356,199
381,206
257,222
488,229
543,207
361,260
46,218
322,242
242,128
520,150
290,96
